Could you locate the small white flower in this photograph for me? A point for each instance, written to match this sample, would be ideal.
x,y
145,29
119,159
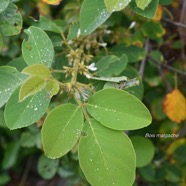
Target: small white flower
x,y
108,31
78,33
87,75
103,44
132,25
77,95
70,42
92,67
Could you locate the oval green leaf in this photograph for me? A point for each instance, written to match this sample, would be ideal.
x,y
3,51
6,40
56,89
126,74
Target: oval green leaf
x,y
116,5
92,15
149,10
10,21
11,155
37,70
121,49
38,49
153,30
144,149
119,110
142,4
10,79
46,167
31,86
61,130
47,24
111,65
106,156
22,114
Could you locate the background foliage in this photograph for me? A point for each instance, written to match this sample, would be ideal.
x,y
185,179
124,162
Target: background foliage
x,y
143,41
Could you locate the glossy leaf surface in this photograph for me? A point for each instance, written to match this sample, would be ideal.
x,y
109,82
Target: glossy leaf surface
x,y
37,70
142,4
38,49
116,5
92,15
22,114
119,110
106,156
10,79
111,65
61,130
31,86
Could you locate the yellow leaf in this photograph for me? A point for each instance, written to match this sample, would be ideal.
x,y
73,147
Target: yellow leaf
x,y
159,13
52,2
173,146
174,106
44,9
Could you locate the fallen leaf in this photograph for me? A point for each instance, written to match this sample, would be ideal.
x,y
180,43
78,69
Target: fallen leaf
x,y
51,2
174,106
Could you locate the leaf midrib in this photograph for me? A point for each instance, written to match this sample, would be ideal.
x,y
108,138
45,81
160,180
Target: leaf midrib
x,y
62,132
101,152
32,35
134,116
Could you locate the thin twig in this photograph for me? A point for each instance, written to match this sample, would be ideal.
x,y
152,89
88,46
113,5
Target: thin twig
x,y
163,65
26,172
182,30
174,23
167,83
143,63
